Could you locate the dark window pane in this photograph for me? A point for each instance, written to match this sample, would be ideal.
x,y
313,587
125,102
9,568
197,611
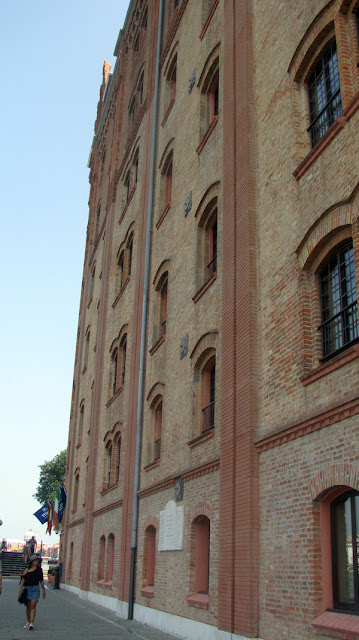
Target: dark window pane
x,y
339,302
325,104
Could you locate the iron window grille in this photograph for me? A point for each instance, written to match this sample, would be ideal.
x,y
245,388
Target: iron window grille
x,y
325,104
345,540
338,298
212,265
157,449
208,411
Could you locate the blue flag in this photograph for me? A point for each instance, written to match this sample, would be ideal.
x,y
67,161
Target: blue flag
x,y
62,503
41,514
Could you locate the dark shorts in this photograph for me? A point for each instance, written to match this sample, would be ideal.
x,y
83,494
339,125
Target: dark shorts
x,y
33,593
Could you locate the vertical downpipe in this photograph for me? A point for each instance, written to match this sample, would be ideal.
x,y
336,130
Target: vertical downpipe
x,y
144,321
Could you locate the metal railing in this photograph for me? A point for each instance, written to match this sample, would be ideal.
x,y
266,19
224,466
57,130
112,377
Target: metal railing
x,y
208,417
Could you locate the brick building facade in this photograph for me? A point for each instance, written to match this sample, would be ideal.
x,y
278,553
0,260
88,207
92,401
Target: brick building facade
x,y
213,472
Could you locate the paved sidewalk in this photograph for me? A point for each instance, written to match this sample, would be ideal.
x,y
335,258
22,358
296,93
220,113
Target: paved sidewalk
x,y
63,616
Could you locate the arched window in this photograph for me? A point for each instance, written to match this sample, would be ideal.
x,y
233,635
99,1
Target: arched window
x,y
325,104
132,109
92,283
114,374
150,548
163,305
167,181
339,315
108,465
208,394
157,417
204,388
130,252
123,350
127,187
209,104
202,555
345,535
135,166
120,272
117,457
76,491
140,87
81,422
98,220
87,349
71,561
110,556
145,19
101,562
170,87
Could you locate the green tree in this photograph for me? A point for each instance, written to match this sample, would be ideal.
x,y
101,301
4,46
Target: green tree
x,y
52,475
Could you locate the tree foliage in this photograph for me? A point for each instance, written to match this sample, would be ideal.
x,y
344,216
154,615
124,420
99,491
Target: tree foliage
x,y
52,475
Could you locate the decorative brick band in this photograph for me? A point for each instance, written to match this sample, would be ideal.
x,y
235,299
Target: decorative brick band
x,y
202,470
109,507
172,29
76,523
197,472
324,419
206,25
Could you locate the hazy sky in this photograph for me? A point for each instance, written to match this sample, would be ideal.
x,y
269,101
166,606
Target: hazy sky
x,y
51,57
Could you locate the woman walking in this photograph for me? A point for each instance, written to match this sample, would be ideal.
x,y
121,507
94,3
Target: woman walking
x,y
32,578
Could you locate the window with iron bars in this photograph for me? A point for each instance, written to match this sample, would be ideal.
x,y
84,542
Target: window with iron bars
x,y
210,394
325,104
338,298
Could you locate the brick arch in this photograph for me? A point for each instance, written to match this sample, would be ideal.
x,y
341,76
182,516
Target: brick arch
x,y
151,521
211,194
200,509
205,342
329,223
207,65
158,389
314,38
336,475
169,147
164,266
170,58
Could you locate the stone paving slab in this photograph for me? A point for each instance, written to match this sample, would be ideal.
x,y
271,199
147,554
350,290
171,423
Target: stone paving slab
x,y
63,616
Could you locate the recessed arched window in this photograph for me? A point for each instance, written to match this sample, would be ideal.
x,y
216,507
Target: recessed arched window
x,y
117,457
325,104
123,350
109,464
127,187
132,109
76,491
339,315
114,363
145,19
110,556
170,87
150,552
167,181
157,417
345,534
163,288
87,349
81,422
101,563
71,561
135,166
130,253
98,220
208,394
140,87
202,554
92,283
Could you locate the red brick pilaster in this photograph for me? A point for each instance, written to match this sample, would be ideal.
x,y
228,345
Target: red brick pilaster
x,y
238,562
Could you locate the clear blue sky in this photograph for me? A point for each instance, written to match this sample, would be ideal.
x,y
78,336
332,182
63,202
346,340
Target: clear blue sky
x,y
51,57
